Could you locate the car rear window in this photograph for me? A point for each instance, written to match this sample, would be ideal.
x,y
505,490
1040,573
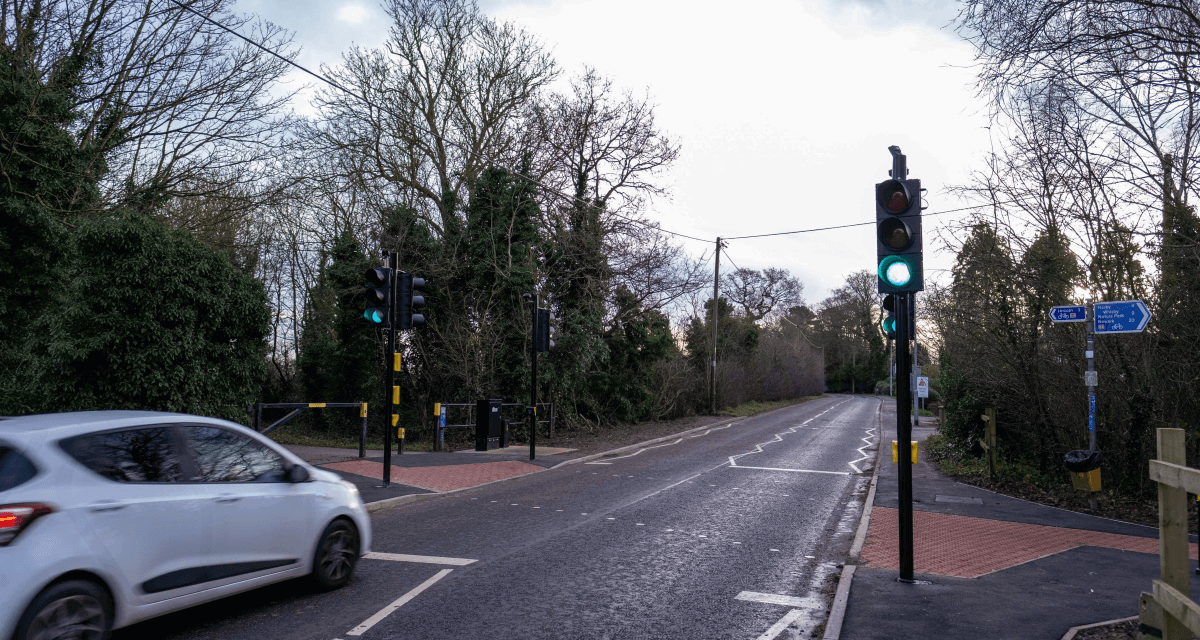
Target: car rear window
x,y
147,454
15,468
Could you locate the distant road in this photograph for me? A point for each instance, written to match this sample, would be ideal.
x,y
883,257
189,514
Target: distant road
x,y
729,533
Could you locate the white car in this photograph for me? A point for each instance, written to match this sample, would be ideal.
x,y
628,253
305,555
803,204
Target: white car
x,y
108,518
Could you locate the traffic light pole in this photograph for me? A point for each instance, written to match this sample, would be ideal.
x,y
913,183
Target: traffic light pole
x,y
904,438
533,384
391,375
904,331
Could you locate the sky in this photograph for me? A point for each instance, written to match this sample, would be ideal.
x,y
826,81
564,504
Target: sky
x,y
784,109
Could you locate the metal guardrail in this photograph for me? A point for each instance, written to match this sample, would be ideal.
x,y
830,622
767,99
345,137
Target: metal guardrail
x,y
441,409
255,410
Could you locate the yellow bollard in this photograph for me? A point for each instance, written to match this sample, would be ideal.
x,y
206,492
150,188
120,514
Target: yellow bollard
x,y
896,452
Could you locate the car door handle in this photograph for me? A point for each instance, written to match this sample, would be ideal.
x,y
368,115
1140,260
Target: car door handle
x,y
100,507
227,498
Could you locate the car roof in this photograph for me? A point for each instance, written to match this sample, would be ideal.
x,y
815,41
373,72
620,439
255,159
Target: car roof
x,y
93,419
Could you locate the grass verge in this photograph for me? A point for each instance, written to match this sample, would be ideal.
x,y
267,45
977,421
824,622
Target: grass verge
x,y
747,409
1025,481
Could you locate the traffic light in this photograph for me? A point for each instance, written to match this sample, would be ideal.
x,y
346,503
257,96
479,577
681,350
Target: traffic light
x,y
543,333
408,301
889,322
379,298
898,236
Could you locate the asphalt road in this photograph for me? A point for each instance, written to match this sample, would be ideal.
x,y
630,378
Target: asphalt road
x,y
730,533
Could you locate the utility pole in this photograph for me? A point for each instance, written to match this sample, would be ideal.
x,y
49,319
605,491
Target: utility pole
x,y
533,381
712,377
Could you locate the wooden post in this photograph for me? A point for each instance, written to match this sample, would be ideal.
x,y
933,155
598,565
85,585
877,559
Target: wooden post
x,y
1172,530
989,439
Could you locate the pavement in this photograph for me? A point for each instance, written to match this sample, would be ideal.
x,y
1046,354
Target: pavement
x,y
988,565
417,472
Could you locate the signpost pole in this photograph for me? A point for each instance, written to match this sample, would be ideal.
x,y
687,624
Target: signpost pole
x,y
1091,386
1091,375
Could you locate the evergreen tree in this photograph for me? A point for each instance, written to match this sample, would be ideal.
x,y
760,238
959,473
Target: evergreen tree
x,y
151,319
338,352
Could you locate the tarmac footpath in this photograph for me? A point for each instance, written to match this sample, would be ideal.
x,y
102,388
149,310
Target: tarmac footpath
x,y
988,565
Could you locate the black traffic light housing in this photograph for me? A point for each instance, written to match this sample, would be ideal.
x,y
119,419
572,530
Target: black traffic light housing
x,y
543,333
408,301
889,321
898,236
379,297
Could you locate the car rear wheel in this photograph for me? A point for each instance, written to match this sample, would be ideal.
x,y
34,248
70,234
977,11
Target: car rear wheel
x,y
337,553
70,610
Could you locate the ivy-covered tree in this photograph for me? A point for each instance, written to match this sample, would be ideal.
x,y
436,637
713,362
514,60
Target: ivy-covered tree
x,y
151,319
338,352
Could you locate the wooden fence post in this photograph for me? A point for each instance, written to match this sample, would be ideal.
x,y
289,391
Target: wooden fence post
x,y
1172,530
989,439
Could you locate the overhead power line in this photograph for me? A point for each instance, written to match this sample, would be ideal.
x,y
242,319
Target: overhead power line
x,y
547,189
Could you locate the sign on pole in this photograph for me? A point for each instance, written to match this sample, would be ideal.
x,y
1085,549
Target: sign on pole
x,y
1125,316
1075,313
922,387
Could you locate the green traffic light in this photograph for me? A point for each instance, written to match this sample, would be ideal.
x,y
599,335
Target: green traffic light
x,y
896,271
373,315
889,325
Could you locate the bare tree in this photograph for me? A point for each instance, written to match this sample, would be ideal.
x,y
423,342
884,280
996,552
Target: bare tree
x,y
440,102
187,108
763,294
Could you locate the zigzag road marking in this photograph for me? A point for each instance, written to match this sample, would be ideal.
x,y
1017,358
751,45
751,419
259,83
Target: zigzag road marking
x,y
667,444
862,453
759,447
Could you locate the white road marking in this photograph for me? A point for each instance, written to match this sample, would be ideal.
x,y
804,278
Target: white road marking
x,y
759,447
862,453
667,444
386,611
404,557
773,598
834,473
778,627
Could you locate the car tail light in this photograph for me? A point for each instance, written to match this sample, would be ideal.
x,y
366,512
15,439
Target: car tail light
x,y
15,517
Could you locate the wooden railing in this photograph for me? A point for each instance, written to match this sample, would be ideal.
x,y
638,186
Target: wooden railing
x,y
1172,592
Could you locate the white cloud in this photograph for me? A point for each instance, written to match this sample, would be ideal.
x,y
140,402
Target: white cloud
x,y
353,13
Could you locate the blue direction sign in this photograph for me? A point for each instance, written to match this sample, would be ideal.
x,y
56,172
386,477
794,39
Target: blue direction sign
x,y
1126,316
1068,314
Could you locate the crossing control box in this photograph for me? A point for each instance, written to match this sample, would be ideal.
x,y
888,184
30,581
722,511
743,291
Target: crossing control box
x,y
488,429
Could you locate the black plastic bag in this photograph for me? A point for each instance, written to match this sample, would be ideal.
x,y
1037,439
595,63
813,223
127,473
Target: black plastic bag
x,y
1082,460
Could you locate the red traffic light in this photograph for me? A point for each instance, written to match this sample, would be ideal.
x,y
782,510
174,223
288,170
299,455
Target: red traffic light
x,y
893,196
895,234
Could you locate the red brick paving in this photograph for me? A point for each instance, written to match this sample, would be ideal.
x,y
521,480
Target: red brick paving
x,y
965,547
447,478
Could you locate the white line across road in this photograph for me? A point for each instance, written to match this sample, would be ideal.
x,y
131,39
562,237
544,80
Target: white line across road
x,y
778,627
404,557
832,473
773,598
386,611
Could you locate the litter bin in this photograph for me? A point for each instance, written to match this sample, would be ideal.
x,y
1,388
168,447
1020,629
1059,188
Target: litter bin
x,y
1084,466
487,425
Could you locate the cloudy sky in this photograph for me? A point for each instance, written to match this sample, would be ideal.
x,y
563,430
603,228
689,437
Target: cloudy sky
x,y
784,108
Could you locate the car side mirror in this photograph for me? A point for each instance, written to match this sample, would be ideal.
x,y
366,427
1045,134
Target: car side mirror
x,y
297,473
